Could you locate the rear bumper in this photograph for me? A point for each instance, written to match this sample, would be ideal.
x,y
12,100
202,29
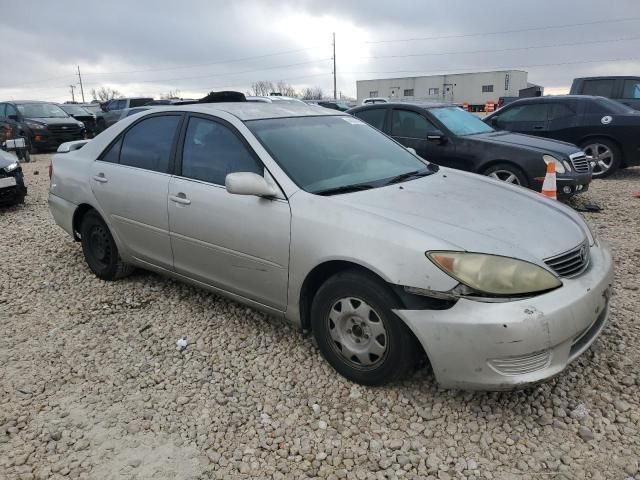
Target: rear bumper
x,y
502,346
62,212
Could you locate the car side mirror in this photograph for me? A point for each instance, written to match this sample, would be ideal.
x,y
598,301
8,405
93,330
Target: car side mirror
x,y
437,137
249,183
412,150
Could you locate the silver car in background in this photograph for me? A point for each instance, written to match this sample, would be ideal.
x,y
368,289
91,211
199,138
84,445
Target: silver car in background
x,y
314,216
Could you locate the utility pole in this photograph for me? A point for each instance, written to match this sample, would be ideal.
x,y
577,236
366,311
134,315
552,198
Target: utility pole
x,y
335,93
73,97
81,89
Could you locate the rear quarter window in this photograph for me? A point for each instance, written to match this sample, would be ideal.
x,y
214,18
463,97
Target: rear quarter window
x,y
374,117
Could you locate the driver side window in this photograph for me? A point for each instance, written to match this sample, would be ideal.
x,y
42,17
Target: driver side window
x,y
409,124
211,151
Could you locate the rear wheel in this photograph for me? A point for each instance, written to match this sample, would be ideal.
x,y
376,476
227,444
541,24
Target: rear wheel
x,y
508,173
604,155
357,332
100,250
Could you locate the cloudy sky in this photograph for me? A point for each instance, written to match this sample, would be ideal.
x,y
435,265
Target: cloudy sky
x,y
145,47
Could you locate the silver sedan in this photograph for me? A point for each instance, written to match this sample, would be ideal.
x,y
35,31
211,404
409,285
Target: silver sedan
x,y
314,216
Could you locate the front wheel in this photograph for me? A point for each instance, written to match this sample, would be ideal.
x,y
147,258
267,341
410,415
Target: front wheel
x,y
508,173
100,250
357,332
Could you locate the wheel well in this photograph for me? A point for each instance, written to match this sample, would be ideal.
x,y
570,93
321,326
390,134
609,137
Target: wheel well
x,y
486,166
78,215
314,280
608,139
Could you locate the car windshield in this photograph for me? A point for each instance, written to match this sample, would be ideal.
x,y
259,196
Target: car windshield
x,y
460,122
74,110
335,153
41,110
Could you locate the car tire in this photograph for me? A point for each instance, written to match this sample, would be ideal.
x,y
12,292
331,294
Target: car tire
x,y
607,153
508,173
358,333
100,249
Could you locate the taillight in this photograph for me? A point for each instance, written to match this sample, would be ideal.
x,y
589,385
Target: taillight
x,y
50,170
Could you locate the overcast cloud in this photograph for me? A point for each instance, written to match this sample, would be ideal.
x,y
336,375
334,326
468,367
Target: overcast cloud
x,y
149,47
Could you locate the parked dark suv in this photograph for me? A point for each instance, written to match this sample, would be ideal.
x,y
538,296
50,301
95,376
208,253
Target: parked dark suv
x,y
607,131
449,136
112,110
623,89
45,125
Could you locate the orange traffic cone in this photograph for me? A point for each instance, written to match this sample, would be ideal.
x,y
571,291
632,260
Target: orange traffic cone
x,y
549,188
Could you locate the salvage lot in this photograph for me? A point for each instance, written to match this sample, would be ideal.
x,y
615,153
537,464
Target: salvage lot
x,y
92,386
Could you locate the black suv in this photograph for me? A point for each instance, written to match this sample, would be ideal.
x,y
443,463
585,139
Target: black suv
x,y
449,136
44,125
623,89
607,131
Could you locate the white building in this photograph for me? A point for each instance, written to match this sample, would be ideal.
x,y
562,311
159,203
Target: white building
x,y
473,88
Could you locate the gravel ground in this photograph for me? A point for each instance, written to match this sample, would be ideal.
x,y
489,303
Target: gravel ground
x,y
92,385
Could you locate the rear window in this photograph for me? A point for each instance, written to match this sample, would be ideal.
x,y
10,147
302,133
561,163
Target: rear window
x,y
148,143
138,102
599,88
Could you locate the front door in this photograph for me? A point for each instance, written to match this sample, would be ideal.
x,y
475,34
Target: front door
x,y
412,128
233,242
131,181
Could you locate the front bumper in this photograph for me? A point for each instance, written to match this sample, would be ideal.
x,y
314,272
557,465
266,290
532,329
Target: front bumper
x,y
47,141
15,193
501,346
568,183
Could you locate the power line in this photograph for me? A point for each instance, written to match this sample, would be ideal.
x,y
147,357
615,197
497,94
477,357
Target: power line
x,y
504,49
499,32
195,65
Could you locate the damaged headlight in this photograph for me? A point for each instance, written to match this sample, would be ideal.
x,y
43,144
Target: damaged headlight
x,y
11,167
494,275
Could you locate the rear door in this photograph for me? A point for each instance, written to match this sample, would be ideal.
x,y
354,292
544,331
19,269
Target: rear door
x,y
131,180
236,243
563,120
529,118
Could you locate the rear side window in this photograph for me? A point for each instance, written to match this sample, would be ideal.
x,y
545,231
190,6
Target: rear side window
x,y
112,155
600,88
211,151
406,123
631,89
2,110
138,102
374,117
148,143
560,110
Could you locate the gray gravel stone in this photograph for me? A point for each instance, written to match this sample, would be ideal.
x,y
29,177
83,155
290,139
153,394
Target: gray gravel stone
x,y
252,398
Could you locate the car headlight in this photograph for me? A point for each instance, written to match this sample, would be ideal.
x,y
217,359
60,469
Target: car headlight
x,y
493,274
81,125
551,159
11,167
35,125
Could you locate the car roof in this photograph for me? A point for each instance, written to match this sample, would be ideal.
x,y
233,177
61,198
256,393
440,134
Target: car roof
x,y
604,77
425,105
29,101
253,110
551,98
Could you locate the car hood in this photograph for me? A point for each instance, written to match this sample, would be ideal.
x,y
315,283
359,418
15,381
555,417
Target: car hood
x,y
542,145
54,121
477,214
6,159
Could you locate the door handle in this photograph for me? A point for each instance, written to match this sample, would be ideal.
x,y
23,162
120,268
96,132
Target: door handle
x,y
100,178
538,128
181,198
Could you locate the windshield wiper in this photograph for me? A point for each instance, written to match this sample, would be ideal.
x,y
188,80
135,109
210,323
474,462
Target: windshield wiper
x,y
413,174
344,189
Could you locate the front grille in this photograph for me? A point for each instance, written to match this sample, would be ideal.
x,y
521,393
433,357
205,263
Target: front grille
x,y
571,263
580,162
64,130
522,364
